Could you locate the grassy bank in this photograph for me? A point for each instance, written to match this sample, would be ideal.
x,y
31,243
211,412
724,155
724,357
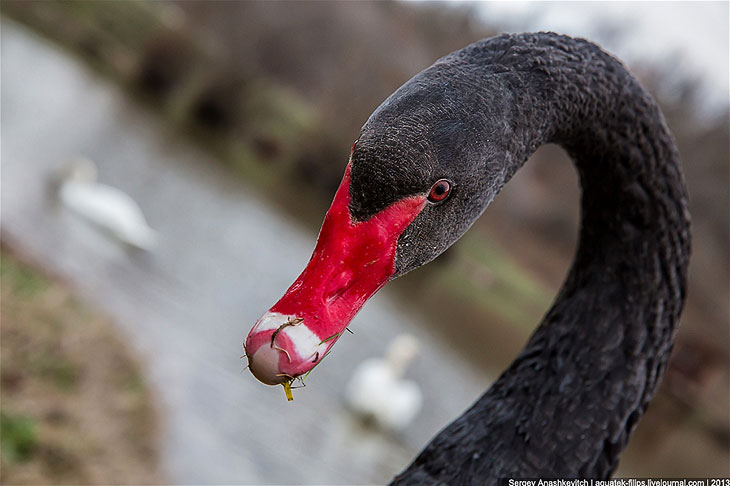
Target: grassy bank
x,y
75,409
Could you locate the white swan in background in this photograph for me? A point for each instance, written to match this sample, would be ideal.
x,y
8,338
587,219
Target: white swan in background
x,y
104,206
377,391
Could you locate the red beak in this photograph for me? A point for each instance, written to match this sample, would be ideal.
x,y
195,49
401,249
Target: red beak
x,y
352,261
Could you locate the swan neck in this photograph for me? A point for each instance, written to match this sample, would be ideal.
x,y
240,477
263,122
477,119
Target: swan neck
x,y
604,344
568,404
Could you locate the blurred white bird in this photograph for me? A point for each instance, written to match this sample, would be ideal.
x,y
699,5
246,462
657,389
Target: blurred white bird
x,y
377,392
104,206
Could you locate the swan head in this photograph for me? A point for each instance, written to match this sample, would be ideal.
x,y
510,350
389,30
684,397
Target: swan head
x,y
414,184
357,253
401,352
81,170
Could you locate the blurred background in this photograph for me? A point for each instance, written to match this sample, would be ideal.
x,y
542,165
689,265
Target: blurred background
x,y
228,125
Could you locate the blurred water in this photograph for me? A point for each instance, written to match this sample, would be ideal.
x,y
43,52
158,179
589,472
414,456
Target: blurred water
x,y
223,259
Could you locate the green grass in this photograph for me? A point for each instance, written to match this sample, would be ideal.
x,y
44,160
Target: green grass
x,y
18,437
57,357
57,370
21,280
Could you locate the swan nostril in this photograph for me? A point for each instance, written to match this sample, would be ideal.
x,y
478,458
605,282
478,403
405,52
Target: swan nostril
x,y
335,295
339,286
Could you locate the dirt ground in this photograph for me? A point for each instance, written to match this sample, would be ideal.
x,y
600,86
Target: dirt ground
x,y
75,408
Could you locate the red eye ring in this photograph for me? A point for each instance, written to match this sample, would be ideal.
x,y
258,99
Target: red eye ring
x,y
440,190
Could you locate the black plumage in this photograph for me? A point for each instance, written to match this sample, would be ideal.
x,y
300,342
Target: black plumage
x,y
568,404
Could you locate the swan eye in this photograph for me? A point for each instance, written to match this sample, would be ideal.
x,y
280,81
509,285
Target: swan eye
x,y
439,191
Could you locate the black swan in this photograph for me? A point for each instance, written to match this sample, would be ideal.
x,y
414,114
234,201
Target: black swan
x,y
427,163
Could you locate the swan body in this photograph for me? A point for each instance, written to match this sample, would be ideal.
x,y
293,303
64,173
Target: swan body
x,y
426,164
377,391
105,207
